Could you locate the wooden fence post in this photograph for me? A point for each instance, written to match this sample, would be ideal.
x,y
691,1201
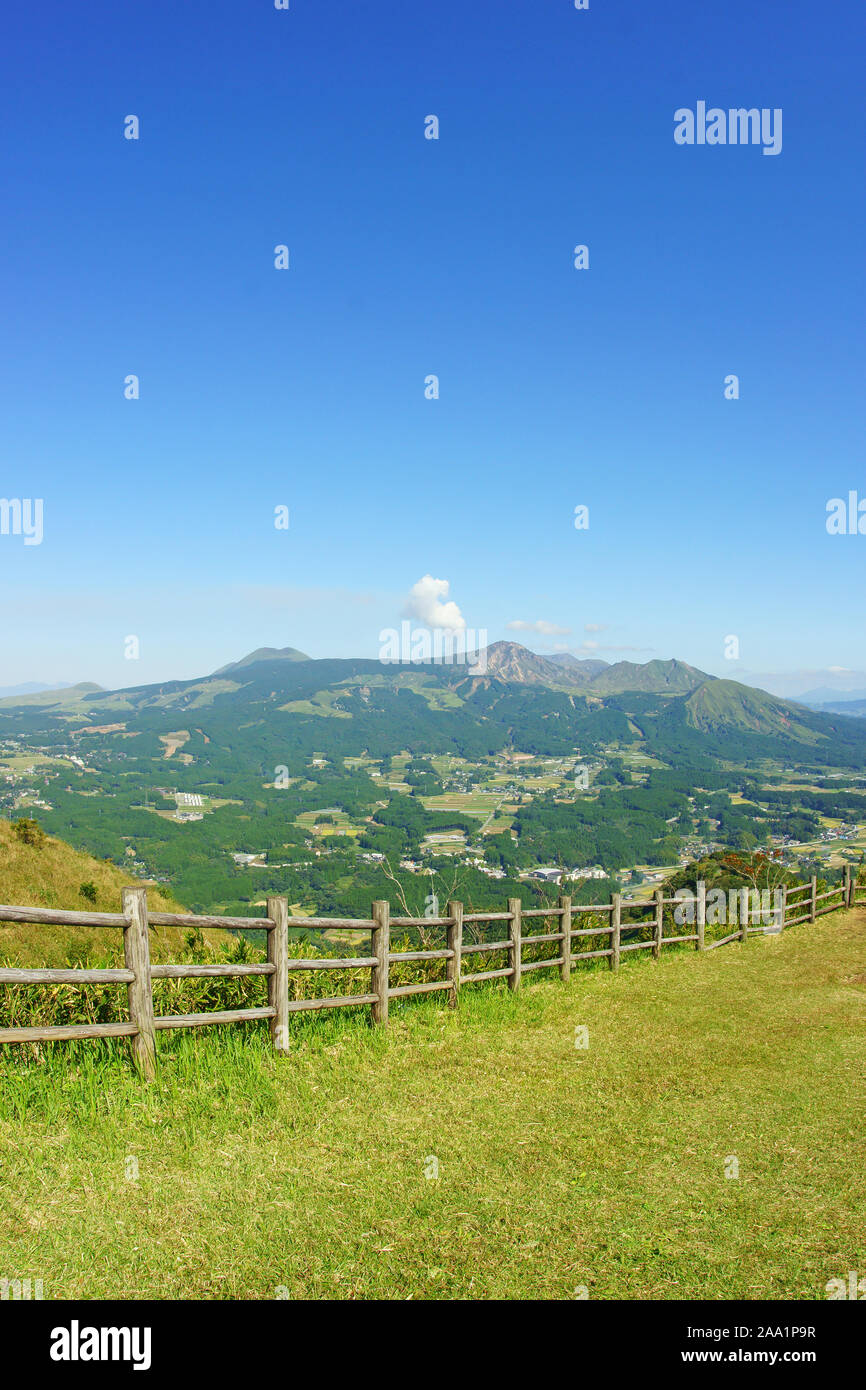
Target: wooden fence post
x,y
139,992
813,901
278,982
847,895
515,907
565,928
616,924
454,942
659,922
744,914
784,892
381,914
701,913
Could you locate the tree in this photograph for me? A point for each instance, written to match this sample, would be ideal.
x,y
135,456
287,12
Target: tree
x,y
760,871
439,893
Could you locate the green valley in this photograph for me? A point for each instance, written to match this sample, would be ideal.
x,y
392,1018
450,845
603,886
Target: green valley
x,y
334,781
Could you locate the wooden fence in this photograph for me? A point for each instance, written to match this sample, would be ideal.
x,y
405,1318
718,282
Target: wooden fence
x,y
139,972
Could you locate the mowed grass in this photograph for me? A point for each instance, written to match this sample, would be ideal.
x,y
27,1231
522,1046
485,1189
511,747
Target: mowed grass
x,y
558,1166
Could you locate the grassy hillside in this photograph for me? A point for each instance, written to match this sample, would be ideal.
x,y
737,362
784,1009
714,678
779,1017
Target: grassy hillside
x,y
723,704
559,1168
51,875
68,695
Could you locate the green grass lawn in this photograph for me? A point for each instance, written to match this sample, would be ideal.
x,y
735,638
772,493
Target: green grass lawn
x,y
558,1167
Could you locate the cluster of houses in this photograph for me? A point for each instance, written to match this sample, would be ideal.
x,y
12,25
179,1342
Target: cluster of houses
x,y
567,875
842,832
261,861
22,797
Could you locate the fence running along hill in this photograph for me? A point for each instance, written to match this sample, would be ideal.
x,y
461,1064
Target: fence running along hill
x,y
139,972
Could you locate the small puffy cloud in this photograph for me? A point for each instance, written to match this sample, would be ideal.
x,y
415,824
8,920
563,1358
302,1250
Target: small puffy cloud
x,y
547,629
594,627
428,602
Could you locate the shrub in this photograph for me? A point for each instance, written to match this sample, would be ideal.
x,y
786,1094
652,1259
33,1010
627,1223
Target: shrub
x,y
29,832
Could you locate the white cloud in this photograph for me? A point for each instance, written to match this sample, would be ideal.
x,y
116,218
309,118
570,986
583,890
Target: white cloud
x,y
548,629
428,602
594,627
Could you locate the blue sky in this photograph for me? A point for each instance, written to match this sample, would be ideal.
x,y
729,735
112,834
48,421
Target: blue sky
x,y
411,257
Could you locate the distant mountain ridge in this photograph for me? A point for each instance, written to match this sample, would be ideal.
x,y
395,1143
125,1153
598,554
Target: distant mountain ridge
x,y
825,695
852,709
275,697
590,665
52,695
32,688
655,677
509,661
263,654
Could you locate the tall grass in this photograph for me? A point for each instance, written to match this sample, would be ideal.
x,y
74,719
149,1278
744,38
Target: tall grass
x,y
51,1005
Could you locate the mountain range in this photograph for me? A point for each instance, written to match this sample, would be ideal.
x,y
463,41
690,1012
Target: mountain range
x,y
31,688
854,708
279,697
509,661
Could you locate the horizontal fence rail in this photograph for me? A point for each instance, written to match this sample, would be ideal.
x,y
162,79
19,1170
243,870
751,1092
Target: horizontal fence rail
x,y
799,903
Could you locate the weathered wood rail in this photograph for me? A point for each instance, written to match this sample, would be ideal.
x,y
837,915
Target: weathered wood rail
x,y
139,972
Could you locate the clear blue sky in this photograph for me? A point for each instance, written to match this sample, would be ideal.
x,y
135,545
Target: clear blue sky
x,y
410,257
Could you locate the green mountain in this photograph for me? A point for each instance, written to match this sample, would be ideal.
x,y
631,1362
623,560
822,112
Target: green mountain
x,y
257,712
655,677
66,695
183,779
263,654
723,705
